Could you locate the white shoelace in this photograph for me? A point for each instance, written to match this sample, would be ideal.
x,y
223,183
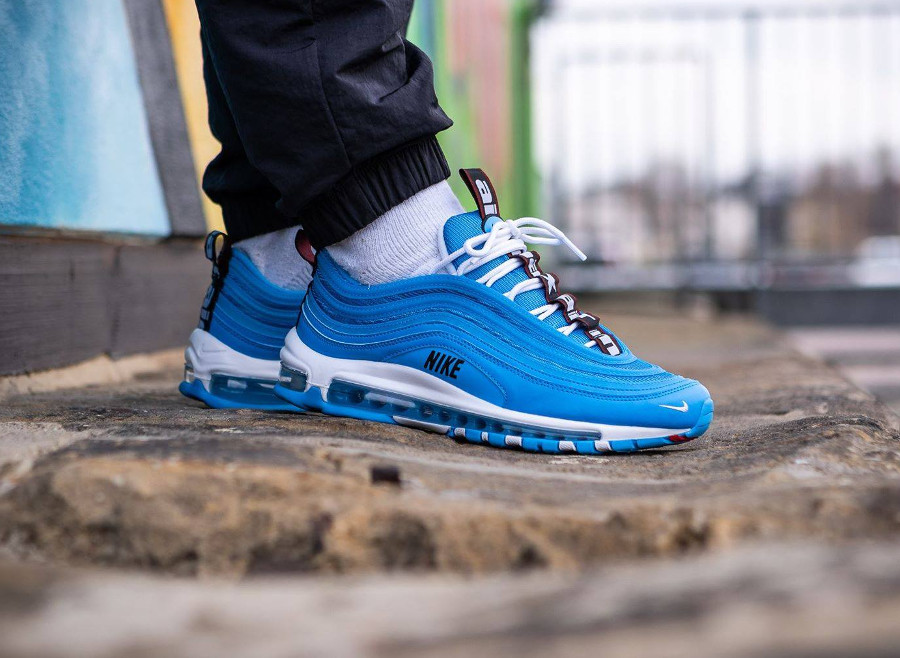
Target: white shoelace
x,y
510,237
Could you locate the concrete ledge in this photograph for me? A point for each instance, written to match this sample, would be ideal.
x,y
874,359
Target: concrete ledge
x,y
66,299
777,533
93,372
149,479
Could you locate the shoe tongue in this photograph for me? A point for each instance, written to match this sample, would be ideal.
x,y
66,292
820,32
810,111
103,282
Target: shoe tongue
x,y
460,228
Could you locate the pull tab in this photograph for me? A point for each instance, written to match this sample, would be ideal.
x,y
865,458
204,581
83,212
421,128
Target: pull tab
x,y
304,247
220,259
483,192
211,241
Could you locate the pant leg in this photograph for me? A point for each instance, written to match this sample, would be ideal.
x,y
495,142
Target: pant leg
x,y
331,104
247,198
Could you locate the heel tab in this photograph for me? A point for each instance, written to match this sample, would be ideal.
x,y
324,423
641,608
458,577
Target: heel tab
x,y
212,240
219,259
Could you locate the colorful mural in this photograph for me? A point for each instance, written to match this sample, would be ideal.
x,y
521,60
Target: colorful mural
x,y
75,151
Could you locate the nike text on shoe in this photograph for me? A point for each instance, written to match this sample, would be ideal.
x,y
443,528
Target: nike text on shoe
x,y
231,361
485,349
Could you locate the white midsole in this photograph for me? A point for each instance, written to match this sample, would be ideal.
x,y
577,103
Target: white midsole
x,y
390,377
209,356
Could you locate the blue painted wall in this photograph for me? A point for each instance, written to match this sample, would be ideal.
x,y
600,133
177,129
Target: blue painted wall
x,y
74,146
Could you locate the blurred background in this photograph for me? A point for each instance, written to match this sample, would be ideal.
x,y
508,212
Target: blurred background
x,y
716,156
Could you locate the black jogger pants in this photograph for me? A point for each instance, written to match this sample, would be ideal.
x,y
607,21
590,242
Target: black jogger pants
x,y
326,114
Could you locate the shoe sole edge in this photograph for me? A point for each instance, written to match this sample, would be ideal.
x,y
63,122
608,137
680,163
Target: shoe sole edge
x,y
489,427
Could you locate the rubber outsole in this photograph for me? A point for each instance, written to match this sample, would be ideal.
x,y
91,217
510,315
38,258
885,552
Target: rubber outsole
x,y
197,391
354,401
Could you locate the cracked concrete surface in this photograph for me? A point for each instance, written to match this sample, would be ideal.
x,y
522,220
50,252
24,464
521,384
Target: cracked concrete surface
x,y
134,476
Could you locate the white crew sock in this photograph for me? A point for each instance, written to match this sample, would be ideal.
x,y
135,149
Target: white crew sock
x,y
275,256
400,243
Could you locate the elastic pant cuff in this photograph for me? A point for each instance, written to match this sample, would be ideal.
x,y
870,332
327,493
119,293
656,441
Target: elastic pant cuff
x,y
250,215
373,188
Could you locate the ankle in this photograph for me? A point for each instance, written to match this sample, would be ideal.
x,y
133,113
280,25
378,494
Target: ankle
x,y
275,256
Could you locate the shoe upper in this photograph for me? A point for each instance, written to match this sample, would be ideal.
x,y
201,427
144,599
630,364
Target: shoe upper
x,y
454,326
245,310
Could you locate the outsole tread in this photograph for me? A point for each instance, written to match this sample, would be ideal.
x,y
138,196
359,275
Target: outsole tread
x,y
196,391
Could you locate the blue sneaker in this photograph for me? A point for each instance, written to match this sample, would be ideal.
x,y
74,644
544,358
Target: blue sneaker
x,y
232,358
485,349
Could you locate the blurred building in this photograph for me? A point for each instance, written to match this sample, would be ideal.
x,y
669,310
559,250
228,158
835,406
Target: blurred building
x,y
747,146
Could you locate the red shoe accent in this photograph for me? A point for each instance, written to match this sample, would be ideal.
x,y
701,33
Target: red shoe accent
x,y
304,247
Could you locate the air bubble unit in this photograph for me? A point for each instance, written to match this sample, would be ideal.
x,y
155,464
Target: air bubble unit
x,y
243,389
232,392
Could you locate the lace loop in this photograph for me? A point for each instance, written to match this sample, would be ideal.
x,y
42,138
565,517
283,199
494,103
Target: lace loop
x,y
511,238
507,237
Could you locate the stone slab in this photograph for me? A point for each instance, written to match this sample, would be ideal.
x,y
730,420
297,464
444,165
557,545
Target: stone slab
x,y
795,600
148,479
775,534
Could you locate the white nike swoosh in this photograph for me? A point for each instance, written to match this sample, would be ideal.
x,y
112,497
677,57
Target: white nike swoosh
x,y
682,408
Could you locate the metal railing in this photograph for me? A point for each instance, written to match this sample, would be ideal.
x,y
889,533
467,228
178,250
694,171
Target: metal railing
x,y
724,146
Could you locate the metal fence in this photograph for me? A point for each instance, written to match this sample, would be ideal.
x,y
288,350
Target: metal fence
x,y
723,146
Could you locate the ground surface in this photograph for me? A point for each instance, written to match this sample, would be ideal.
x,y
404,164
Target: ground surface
x,y
777,531
867,356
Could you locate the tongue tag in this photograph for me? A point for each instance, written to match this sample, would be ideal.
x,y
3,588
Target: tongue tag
x,y
483,192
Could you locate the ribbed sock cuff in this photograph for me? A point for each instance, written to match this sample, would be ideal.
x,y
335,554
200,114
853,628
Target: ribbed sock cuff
x,y
275,256
373,188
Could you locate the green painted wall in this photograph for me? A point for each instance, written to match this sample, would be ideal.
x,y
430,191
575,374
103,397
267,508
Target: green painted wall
x,y
461,69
